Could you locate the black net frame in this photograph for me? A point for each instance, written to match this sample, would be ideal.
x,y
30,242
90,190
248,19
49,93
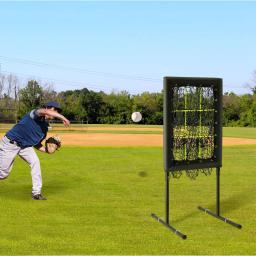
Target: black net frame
x,y
192,136
192,125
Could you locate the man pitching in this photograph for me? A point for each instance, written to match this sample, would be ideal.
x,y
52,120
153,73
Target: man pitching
x,y
20,140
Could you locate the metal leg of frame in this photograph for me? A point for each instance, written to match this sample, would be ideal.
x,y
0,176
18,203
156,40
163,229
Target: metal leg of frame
x,y
217,214
218,191
167,207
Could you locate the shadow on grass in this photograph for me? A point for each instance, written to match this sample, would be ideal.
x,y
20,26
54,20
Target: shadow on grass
x,y
184,217
14,191
234,202
54,188
228,205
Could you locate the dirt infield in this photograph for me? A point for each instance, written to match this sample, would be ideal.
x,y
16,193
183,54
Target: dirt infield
x,y
115,128
122,140
104,139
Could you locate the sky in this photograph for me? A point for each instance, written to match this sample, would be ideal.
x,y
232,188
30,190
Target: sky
x,y
128,45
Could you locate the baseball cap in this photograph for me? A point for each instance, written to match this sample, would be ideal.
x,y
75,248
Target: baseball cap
x,y
53,104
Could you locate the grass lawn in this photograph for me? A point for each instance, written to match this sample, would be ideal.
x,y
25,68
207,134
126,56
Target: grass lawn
x,y
100,201
240,132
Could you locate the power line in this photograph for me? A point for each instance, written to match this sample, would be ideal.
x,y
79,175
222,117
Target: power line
x,y
82,84
84,71
70,83
80,70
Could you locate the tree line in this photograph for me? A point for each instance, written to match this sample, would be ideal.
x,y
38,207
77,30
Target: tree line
x,y
88,106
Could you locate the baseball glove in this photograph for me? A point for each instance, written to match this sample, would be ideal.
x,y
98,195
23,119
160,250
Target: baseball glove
x,y
52,144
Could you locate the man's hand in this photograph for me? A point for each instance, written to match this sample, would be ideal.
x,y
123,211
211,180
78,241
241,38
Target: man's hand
x,y
66,122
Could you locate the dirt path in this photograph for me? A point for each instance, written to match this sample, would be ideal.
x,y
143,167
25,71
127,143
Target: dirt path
x,y
104,139
115,128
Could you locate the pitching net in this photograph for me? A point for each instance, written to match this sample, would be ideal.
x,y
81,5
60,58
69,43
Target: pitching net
x,y
192,136
192,125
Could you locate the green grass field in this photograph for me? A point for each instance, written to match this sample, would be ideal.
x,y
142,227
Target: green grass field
x,y
240,132
100,201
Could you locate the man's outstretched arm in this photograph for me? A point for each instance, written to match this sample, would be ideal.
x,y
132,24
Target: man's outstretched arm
x,y
49,112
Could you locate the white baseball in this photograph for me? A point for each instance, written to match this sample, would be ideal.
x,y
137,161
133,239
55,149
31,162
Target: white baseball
x,y
136,117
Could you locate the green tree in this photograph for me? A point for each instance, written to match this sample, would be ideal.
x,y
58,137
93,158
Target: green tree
x,y
91,103
231,109
252,114
151,107
246,102
71,103
30,97
117,108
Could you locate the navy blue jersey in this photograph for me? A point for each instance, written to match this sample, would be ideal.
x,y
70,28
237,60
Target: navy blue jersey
x,y
30,131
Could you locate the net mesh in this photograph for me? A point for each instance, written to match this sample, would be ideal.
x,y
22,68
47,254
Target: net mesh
x,y
193,127
192,174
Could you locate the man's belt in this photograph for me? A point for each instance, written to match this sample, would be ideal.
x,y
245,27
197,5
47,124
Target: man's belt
x,y
12,141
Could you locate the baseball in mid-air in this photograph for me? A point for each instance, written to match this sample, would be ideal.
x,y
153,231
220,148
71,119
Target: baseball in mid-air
x,y
136,117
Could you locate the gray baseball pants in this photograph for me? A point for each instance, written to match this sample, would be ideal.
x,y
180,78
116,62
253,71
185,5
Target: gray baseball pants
x,y
9,151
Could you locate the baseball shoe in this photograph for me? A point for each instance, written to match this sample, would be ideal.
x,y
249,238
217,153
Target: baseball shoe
x,y
38,197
